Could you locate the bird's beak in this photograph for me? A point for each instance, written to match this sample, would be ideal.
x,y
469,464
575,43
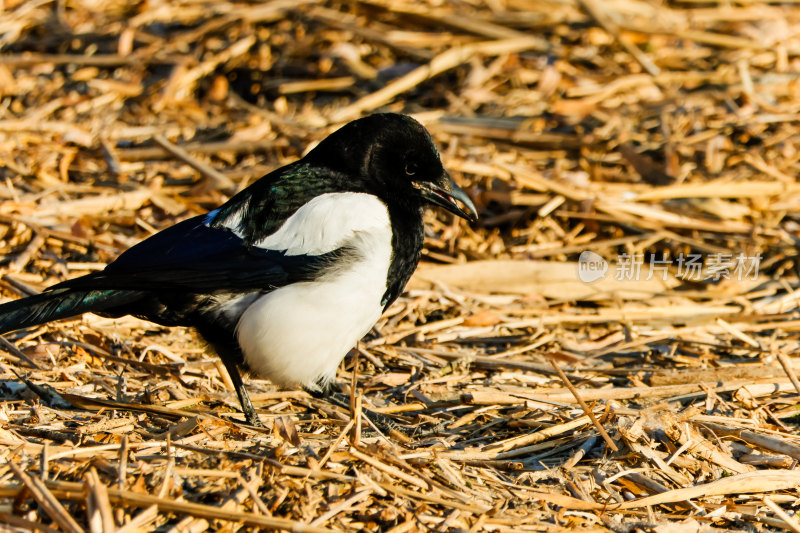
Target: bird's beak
x,y
445,193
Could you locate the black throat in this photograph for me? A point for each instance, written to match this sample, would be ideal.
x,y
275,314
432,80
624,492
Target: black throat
x,y
407,237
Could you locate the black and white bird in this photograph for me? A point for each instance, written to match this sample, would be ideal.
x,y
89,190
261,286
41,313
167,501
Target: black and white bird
x,y
285,277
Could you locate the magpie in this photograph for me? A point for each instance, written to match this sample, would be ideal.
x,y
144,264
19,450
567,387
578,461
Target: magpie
x,y
283,279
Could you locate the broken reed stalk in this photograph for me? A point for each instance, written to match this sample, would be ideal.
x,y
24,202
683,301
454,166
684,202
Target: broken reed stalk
x,y
49,503
787,367
791,521
219,180
445,61
583,405
355,402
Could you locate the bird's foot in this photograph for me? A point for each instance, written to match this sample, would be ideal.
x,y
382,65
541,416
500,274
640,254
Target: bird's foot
x,y
252,419
383,423
323,390
249,411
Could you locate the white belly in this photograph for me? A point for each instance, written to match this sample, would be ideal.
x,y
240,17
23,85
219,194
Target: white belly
x,y
298,334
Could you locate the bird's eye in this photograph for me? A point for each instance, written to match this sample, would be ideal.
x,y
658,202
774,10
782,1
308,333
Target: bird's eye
x,y
411,168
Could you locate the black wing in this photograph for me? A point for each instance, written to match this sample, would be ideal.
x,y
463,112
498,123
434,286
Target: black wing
x,y
194,257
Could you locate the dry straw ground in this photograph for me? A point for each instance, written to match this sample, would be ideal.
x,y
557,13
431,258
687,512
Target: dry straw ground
x,y
623,127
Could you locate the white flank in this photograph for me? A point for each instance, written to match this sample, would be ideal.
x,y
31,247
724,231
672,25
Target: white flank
x,y
298,334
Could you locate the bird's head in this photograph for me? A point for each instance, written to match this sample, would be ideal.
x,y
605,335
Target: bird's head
x,y
396,160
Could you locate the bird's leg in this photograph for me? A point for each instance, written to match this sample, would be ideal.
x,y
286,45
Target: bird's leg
x,y
228,350
249,411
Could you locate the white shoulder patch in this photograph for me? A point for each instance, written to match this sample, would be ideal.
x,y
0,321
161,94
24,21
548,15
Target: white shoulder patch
x,y
328,222
233,223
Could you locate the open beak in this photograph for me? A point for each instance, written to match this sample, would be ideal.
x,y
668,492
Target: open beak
x,y
445,195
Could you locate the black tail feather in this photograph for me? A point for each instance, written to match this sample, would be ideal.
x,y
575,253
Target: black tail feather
x,y
60,303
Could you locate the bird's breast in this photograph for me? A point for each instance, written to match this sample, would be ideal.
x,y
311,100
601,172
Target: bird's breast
x,y
299,333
